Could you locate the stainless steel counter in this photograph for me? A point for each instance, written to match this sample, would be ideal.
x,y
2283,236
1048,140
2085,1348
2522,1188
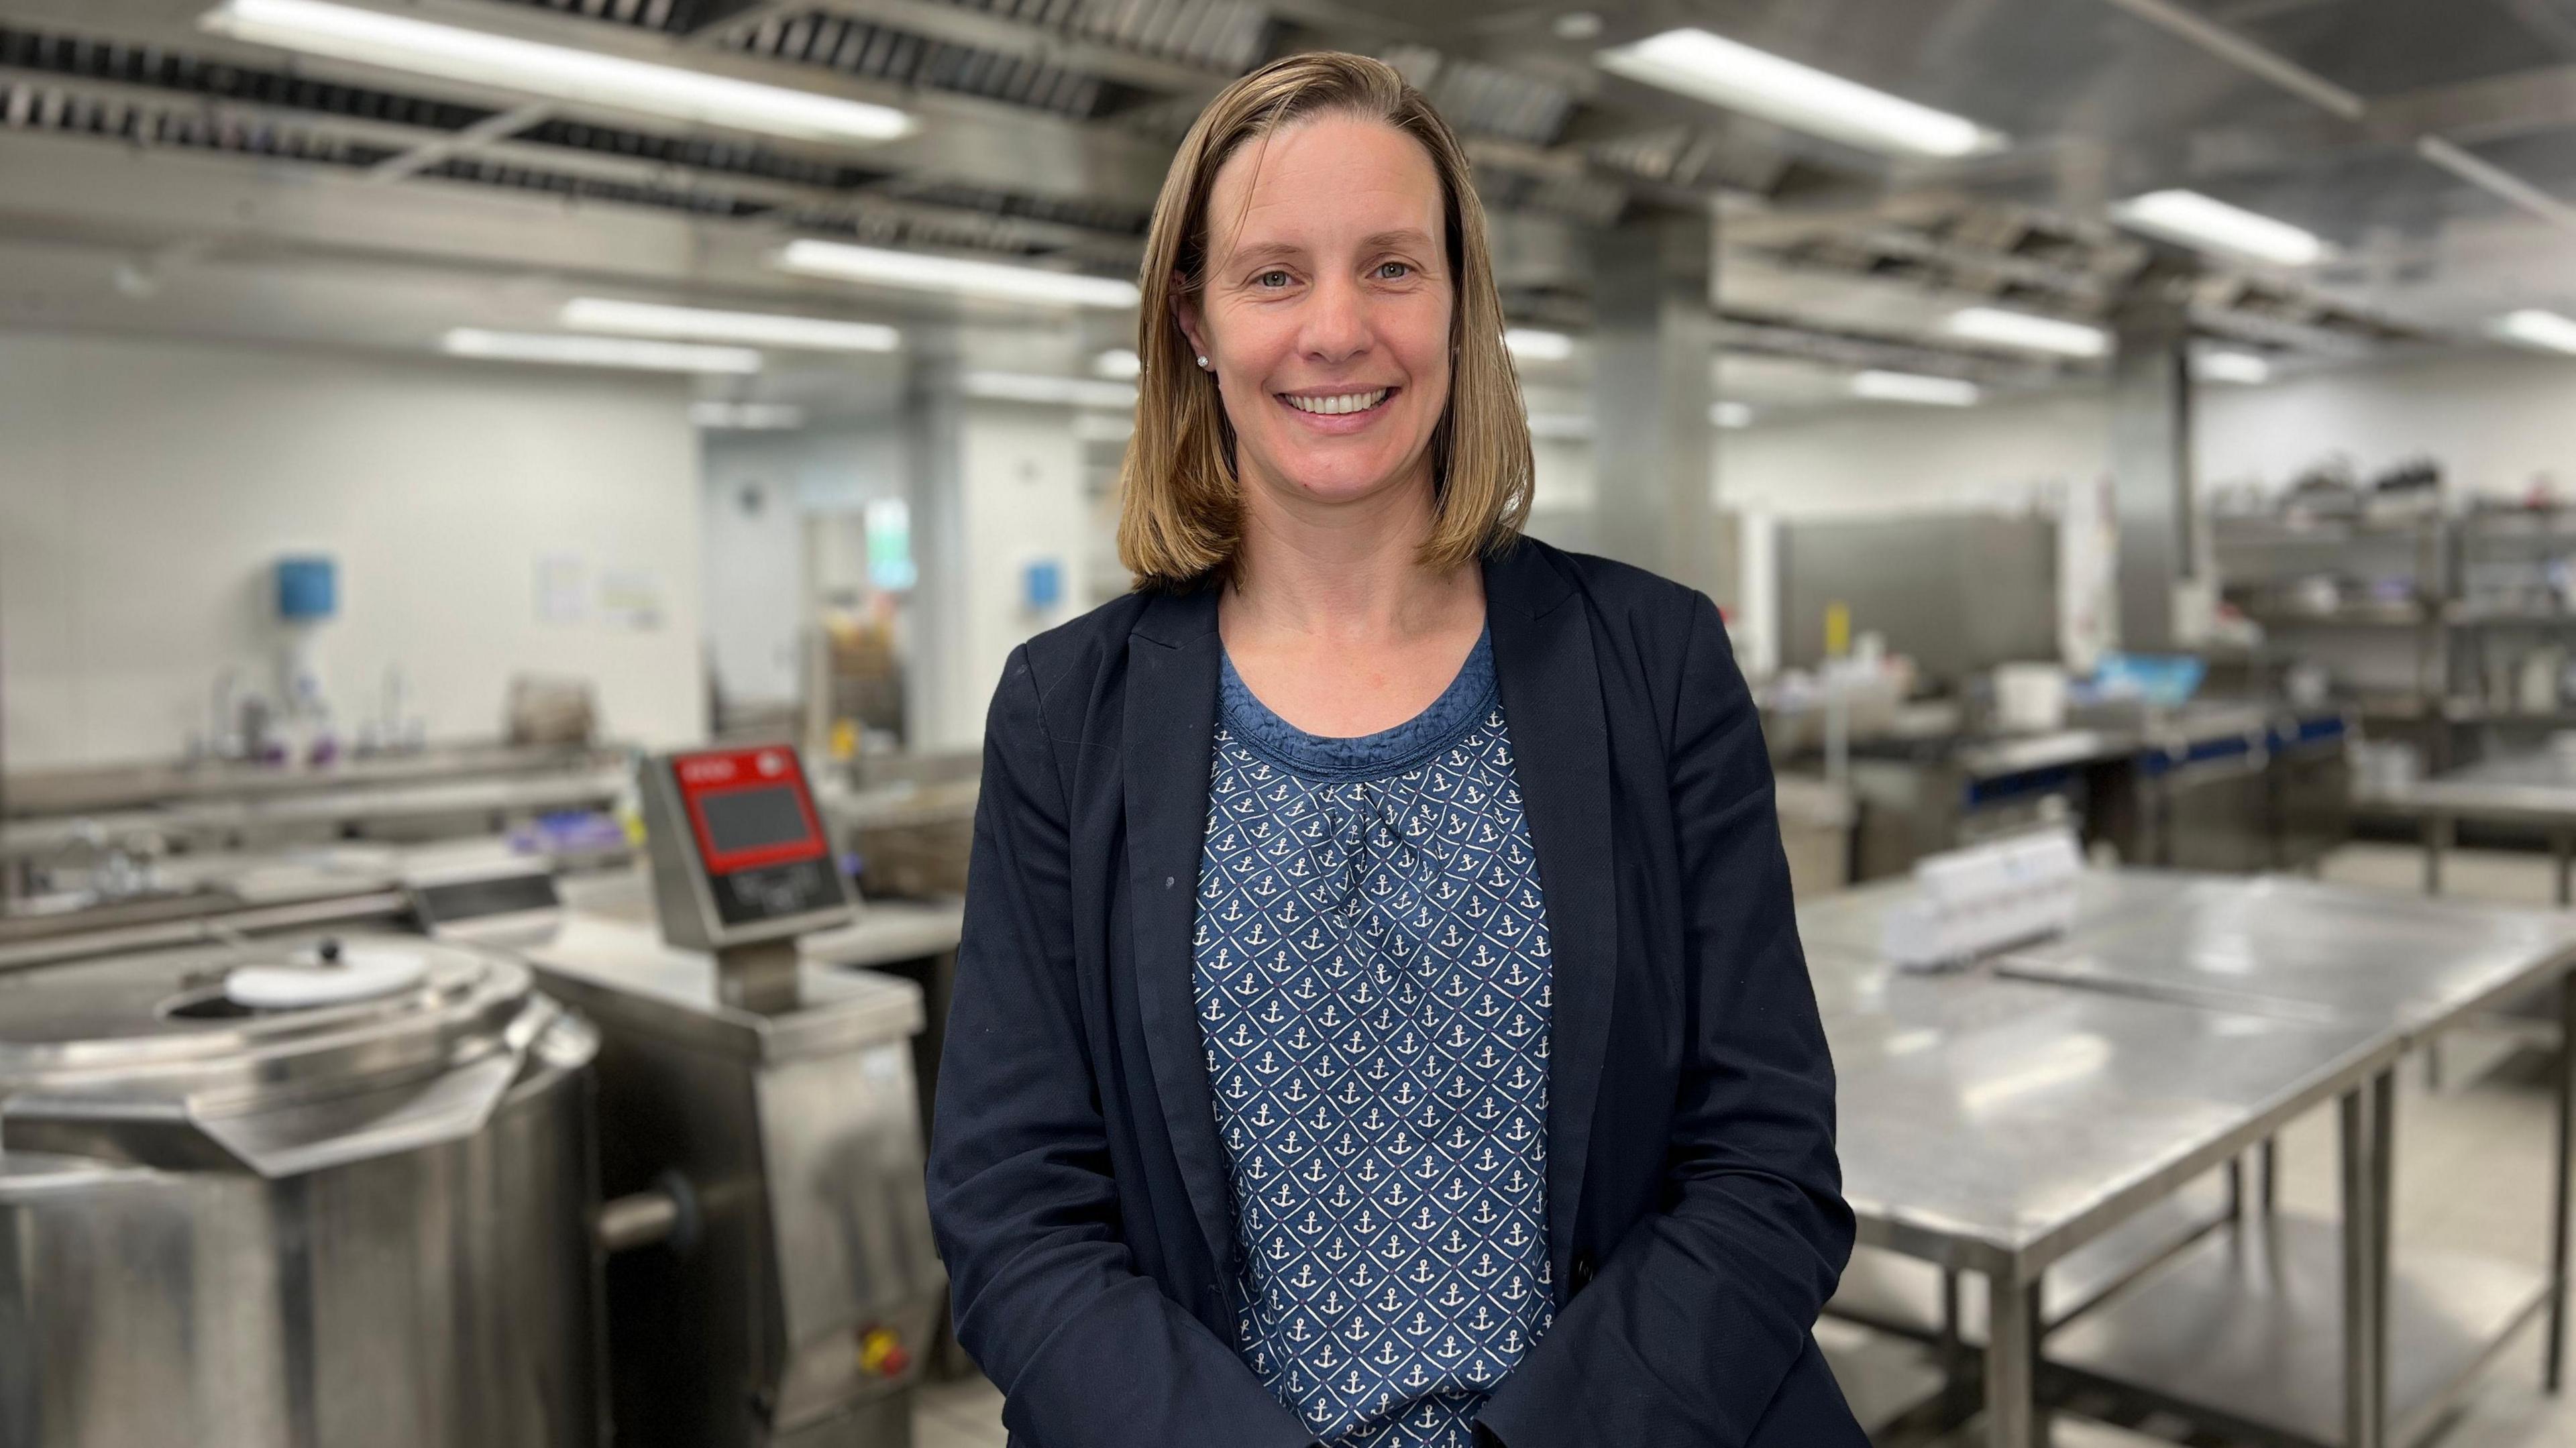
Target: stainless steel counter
x,y
2532,790
328,810
2403,970
129,787
2000,1119
2279,946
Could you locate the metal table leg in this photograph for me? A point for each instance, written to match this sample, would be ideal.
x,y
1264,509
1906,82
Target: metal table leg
x,y
2012,1361
2553,1371
2438,832
2268,1175
2359,1297
2383,1223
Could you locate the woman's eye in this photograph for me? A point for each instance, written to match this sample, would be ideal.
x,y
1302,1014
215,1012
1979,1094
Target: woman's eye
x,y
1393,271
1271,279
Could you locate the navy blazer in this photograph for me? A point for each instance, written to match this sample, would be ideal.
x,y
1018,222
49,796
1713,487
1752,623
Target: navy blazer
x,y
1695,1217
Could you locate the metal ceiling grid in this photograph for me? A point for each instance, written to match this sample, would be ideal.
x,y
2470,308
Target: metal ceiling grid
x,y
183,74
34,106
1485,98
700,153
1219,34
877,52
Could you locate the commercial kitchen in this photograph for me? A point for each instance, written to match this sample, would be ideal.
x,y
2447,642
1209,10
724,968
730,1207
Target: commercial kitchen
x,y
512,511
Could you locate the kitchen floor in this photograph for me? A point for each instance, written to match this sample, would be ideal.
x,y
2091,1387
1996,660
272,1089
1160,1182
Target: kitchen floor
x,y
2472,1175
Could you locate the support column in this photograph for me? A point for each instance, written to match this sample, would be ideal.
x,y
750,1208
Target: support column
x,y
999,523
2151,463
1653,446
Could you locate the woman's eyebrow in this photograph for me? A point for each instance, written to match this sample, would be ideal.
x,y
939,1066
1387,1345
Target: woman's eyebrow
x,y
1264,251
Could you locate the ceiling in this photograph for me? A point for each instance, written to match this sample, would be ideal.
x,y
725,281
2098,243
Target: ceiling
x,y
161,179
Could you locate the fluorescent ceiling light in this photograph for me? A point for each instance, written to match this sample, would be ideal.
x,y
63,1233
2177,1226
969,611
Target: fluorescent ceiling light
x,y
557,72
1913,387
1712,68
918,272
1730,414
1533,345
574,350
653,319
2243,368
2021,329
1118,364
2535,328
1036,387
2191,219
746,416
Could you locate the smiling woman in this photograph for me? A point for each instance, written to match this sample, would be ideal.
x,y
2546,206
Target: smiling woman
x,y
1318,240
1380,1018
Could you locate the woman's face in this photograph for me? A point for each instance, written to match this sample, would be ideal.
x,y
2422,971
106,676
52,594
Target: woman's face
x,y
1326,309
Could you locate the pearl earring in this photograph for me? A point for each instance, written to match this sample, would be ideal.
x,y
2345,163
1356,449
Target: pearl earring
x,y
1202,361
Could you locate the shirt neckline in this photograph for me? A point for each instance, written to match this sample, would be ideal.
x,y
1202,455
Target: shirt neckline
x,y
1461,705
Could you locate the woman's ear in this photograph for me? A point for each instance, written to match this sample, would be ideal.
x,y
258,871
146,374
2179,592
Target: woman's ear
x,y
1193,321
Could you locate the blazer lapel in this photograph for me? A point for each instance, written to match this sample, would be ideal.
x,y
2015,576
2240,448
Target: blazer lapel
x,y
1168,734
1551,691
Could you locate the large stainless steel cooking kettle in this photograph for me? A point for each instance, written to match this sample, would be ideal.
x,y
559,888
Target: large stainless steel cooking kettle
x,y
358,1224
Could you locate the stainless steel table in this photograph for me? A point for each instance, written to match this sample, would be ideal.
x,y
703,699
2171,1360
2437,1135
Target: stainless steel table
x,y
343,810
1998,1126
2534,790
2229,1328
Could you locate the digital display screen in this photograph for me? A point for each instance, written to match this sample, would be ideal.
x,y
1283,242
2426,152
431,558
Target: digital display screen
x,y
742,820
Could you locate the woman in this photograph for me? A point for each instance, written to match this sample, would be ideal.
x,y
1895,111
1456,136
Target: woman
x,y
1380,1018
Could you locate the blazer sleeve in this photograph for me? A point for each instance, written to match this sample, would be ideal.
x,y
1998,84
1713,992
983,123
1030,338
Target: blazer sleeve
x,y
1088,1352
1695,1319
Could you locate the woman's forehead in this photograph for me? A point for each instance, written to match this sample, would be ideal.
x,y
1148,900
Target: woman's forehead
x,y
1332,180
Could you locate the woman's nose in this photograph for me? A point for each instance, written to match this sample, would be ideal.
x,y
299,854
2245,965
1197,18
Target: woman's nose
x,y
1336,322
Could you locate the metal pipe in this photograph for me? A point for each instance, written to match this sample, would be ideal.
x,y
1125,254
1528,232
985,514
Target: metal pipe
x,y
2306,84
2245,55
2496,181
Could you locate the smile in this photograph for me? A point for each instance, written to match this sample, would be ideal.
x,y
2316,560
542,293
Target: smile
x,y
1337,404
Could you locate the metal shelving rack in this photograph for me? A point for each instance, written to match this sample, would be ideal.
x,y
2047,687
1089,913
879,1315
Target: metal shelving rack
x,y
2402,643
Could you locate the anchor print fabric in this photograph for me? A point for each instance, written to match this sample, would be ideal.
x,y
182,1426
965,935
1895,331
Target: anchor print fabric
x,y
1373,990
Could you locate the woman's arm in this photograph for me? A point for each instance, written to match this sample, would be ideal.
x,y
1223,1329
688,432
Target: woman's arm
x,y
1696,1318
1088,1352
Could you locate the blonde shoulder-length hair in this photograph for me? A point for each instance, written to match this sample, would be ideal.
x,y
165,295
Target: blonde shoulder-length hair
x,y
1180,518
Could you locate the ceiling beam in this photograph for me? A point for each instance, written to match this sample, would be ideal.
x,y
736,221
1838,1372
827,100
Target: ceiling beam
x,y
495,127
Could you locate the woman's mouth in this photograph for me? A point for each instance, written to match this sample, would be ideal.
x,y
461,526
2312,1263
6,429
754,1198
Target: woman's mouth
x,y
1337,404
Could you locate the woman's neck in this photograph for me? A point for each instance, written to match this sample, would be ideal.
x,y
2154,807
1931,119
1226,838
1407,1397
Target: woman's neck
x,y
1349,572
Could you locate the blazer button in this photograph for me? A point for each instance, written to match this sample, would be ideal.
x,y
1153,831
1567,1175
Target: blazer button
x,y
1581,1275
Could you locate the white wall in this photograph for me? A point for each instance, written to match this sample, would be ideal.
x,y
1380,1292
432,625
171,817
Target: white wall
x,y
2495,420
146,488
1892,458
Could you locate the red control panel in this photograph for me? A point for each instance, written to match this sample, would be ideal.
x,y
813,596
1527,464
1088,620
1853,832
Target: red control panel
x,y
749,808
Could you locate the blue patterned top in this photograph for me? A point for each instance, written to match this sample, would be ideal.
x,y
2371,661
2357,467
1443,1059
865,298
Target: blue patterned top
x,y
1373,989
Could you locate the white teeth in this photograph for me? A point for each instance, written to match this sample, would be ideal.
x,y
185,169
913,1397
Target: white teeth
x,y
1335,406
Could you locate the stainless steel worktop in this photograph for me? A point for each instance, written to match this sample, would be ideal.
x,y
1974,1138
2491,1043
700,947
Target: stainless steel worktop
x,y
127,787
1998,1119
1997,1125
320,809
2291,947
2536,788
